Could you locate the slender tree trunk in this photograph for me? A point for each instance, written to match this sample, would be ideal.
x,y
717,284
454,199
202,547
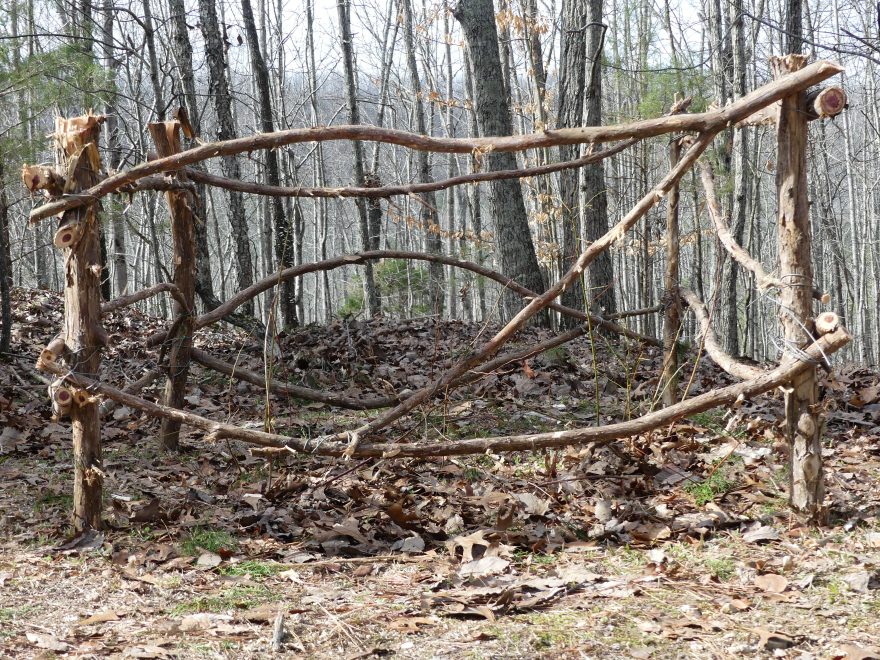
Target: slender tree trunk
x,y
183,53
215,54
371,293
594,188
572,81
5,269
112,206
166,135
429,221
671,298
512,236
285,250
741,183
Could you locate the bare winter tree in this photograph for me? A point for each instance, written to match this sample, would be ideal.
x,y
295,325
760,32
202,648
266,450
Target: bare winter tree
x,y
512,235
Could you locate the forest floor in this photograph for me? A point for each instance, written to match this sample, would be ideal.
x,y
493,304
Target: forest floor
x,y
674,544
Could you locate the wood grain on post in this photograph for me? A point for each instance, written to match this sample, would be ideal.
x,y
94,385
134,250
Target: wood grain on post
x,y
166,136
77,142
803,422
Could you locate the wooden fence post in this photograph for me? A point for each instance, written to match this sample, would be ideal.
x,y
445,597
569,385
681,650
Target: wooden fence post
x,y
802,418
78,236
166,136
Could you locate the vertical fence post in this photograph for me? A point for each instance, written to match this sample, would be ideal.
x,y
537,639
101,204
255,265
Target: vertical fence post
x,y
802,418
78,237
166,136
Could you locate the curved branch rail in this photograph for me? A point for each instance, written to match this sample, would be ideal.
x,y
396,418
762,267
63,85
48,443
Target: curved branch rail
x,y
359,258
706,122
725,396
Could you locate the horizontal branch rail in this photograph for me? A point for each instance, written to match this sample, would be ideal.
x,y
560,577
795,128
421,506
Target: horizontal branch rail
x,y
705,122
724,396
402,189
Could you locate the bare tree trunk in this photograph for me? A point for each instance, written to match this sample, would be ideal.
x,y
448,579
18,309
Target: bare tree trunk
x,y
741,184
671,298
473,194
428,202
572,80
5,269
112,206
284,237
166,136
513,238
371,293
215,53
182,49
594,189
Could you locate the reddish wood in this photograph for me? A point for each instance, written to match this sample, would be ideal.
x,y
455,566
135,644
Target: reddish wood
x,y
77,141
166,136
803,421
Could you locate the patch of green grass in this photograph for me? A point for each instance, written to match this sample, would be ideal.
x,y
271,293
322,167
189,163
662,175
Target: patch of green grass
x,y
12,613
716,484
253,568
535,558
711,419
241,597
722,568
206,538
49,500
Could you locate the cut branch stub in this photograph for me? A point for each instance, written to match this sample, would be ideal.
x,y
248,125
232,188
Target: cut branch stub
x,y
826,102
62,398
67,235
42,177
821,103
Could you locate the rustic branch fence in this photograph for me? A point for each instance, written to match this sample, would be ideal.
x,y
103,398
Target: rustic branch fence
x,y
74,189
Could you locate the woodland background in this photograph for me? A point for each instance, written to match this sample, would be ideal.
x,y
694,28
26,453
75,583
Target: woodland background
x,y
240,68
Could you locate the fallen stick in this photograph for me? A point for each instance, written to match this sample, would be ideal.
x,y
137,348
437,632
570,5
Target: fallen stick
x,y
403,189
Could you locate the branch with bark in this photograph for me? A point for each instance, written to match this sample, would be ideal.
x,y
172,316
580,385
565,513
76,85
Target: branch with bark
x,y
358,258
764,280
732,394
705,122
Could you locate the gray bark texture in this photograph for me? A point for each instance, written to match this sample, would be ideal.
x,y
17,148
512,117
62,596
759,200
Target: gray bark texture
x,y
512,236
215,54
284,236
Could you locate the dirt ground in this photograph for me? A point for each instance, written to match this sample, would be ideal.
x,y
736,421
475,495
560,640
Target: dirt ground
x,y
678,544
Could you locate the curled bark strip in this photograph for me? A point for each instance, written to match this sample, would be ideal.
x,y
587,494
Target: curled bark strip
x,y
747,261
724,396
409,189
705,122
727,362
357,258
